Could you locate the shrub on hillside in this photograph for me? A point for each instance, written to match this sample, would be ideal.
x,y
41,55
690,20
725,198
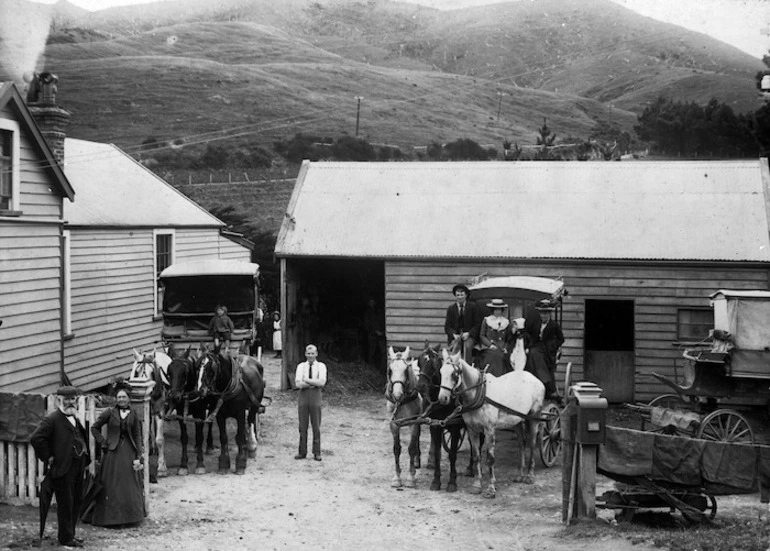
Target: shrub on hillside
x,y
348,148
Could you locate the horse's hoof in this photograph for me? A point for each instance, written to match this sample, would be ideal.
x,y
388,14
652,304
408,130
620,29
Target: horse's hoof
x,y
529,479
396,483
430,465
436,486
162,474
240,471
475,489
490,494
451,487
411,483
200,470
518,478
181,472
153,479
253,454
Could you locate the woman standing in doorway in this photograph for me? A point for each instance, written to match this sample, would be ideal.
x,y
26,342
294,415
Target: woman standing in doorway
x,y
277,342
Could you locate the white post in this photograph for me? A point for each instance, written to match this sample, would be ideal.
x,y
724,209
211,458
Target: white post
x,y
140,394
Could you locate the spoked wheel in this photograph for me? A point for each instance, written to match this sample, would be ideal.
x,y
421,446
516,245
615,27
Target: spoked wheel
x,y
725,425
712,506
567,379
550,435
446,439
668,401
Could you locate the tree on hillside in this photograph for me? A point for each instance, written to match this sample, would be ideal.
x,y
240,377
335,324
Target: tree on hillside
x,y
546,140
465,149
348,148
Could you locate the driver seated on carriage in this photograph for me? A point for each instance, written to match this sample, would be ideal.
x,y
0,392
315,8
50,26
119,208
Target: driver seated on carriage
x,y
221,328
462,323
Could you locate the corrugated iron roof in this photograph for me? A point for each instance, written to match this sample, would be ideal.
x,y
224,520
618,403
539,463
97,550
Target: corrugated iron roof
x,y
115,190
661,210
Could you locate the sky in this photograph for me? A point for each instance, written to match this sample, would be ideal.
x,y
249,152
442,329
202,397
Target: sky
x,y
737,22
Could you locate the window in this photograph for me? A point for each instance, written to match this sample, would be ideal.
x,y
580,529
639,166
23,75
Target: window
x,y
9,165
164,257
694,324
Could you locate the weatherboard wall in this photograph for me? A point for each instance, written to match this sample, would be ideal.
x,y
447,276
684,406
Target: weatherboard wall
x,y
113,295
417,294
30,274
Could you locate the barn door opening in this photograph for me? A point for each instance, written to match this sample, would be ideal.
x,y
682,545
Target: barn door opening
x,y
330,302
609,347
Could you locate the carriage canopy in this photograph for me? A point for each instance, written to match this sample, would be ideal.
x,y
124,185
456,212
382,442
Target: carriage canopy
x,y
746,316
520,293
193,290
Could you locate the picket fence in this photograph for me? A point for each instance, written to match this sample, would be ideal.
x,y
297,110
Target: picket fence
x,y
21,472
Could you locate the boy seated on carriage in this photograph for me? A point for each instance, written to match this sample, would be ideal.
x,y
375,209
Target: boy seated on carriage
x,y
221,327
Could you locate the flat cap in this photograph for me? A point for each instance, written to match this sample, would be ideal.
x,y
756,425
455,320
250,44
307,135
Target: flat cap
x,y
67,390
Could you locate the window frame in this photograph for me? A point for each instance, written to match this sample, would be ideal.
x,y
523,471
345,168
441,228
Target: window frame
x,y
13,127
680,337
158,289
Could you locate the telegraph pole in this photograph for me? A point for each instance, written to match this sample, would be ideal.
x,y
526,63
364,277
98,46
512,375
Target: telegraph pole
x,y
358,112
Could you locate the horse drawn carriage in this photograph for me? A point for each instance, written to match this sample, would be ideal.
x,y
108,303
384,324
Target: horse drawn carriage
x,y
726,378
196,381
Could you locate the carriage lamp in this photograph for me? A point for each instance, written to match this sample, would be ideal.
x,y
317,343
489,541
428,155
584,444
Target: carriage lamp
x,y
591,413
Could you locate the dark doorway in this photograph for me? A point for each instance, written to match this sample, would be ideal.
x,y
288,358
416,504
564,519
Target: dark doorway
x,y
331,301
609,347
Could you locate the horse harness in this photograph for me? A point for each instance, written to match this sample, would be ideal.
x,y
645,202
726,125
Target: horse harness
x,y
231,389
410,394
481,399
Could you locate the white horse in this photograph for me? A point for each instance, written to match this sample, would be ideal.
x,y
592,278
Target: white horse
x,y
152,366
514,400
404,402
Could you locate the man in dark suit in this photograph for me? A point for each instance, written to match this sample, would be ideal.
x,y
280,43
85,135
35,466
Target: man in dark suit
x,y
60,441
546,338
463,321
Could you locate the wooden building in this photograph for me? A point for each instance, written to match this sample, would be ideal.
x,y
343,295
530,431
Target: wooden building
x,y
33,189
78,279
125,228
639,245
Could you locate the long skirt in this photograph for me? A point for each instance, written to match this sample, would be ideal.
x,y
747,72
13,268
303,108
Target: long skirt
x,y
497,361
539,364
277,344
121,501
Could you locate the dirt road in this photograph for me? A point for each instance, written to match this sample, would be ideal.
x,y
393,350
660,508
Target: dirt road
x,y
343,502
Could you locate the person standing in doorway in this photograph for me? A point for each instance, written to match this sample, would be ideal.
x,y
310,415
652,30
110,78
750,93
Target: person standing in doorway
x,y
61,442
462,323
310,378
277,339
374,326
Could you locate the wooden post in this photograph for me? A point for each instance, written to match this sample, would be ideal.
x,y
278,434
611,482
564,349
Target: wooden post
x,y
140,394
586,497
567,458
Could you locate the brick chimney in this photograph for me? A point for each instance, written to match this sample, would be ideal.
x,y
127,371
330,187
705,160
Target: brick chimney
x,y
51,119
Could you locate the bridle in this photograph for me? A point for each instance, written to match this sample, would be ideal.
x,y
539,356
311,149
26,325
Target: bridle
x,y
458,389
409,384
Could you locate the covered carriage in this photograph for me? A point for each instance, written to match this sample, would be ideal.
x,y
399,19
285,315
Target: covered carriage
x,y
193,290
724,376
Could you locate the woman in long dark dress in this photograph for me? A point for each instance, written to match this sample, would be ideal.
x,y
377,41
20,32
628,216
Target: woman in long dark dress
x,y
495,335
121,501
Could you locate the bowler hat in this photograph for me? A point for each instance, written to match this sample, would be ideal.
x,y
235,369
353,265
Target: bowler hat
x,y
497,303
67,390
461,287
545,305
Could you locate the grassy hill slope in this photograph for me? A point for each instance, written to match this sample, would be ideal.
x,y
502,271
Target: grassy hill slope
x,y
201,81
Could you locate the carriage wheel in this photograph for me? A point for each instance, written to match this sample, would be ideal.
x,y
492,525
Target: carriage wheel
x,y
446,439
669,401
712,507
725,425
549,431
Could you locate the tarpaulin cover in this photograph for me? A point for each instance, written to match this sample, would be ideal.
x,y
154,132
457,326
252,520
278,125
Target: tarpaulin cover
x,y
20,414
720,468
665,417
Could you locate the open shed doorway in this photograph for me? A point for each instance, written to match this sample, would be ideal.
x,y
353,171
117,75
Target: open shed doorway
x,y
327,305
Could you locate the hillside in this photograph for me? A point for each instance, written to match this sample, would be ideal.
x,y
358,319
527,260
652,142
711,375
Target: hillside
x,y
195,82
264,70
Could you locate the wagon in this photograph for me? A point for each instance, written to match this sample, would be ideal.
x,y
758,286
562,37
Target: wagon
x,y
723,377
521,293
193,290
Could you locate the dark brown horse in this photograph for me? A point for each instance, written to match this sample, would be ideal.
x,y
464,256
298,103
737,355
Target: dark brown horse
x,y
238,388
184,399
429,383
